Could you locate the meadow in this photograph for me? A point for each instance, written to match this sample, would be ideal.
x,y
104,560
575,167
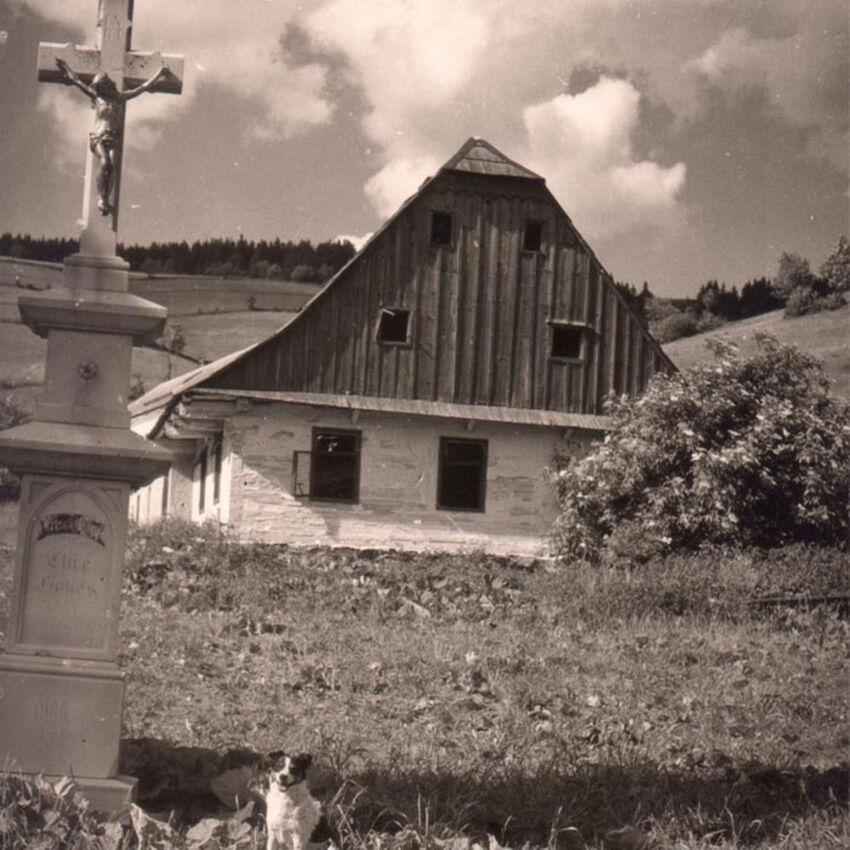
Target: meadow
x,y
218,315
455,701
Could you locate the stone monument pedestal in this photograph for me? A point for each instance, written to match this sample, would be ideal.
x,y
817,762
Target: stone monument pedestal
x,y
61,691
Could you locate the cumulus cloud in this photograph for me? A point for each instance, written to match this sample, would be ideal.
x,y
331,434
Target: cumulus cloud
x,y
797,73
245,56
582,144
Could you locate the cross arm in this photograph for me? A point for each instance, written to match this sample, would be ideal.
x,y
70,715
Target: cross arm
x,y
85,63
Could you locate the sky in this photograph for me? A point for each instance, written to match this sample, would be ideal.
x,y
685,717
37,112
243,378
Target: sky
x,y
688,140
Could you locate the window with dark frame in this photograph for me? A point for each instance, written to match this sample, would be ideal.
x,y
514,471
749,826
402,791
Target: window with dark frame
x,y
163,505
441,228
335,465
202,481
567,342
462,475
393,325
217,461
533,237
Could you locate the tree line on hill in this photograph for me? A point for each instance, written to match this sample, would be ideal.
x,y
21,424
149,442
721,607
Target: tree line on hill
x,y
299,261
794,287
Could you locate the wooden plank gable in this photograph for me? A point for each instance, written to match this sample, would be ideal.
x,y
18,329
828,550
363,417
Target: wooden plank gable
x,y
484,309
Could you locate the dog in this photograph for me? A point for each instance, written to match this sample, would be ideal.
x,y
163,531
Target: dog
x,y
295,819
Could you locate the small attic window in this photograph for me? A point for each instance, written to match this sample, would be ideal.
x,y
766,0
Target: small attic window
x,y
393,326
441,228
533,237
567,342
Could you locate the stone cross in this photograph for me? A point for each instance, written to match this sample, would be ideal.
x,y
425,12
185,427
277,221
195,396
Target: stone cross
x,y
90,69
61,688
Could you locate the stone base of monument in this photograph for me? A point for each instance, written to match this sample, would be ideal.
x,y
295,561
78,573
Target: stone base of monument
x,y
105,795
62,717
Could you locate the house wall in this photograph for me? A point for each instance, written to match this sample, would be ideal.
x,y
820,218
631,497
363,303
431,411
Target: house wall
x,y
398,483
184,484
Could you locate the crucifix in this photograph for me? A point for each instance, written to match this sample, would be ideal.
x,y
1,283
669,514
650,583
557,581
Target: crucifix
x,y
61,687
110,74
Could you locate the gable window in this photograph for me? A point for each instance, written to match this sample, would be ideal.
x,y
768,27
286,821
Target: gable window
x,y
441,228
533,237
335,465
567,342
393,325
462,475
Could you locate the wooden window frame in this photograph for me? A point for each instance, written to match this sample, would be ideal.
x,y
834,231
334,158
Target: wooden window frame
x,y
349,432
482,476
405,343
435,214
218,460
578,327
202,481
532,225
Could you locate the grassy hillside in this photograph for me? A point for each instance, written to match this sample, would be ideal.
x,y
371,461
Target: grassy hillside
x,y
216,315
824,335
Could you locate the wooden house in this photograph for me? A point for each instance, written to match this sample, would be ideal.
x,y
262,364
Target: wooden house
x,y
418,398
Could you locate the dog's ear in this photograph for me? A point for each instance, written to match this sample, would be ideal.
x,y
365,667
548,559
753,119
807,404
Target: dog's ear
x,y
304,760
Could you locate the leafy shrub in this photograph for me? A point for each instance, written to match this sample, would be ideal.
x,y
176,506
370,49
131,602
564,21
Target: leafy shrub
x,y
675,326
11,414
805,299
739,451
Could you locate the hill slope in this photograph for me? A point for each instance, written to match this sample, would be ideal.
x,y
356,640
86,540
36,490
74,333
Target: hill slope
x,y
823,335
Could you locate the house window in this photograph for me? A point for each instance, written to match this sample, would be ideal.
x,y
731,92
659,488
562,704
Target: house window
x,y
164,496
217,459
533,238
393,325
335,466
202,481
567,342
462,475
441,228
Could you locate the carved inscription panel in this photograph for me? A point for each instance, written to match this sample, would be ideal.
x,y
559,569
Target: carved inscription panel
x,y
67,589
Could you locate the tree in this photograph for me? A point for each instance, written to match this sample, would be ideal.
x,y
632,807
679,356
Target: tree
x,y
793,272
742,450
836,268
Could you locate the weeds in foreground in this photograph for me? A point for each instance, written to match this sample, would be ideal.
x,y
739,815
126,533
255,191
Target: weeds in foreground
x,y
451,701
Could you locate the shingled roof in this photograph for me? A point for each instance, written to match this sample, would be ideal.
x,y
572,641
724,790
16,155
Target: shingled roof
x,y
480,157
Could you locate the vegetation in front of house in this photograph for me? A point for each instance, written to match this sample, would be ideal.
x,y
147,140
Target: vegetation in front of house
x,y
741,451
450,698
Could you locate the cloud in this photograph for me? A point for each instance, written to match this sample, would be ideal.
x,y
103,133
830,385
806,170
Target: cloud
x,y
798,73
582,145
397,180
357,241
245,56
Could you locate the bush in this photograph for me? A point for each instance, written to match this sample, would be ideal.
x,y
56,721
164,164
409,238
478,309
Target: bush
x,y
675,326
11,414
805,299
741,451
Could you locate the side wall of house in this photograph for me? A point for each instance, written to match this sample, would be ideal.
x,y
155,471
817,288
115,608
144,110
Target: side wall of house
x,y
398,482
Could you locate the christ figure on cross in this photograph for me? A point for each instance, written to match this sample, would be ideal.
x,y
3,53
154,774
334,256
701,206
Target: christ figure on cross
x,y
105,139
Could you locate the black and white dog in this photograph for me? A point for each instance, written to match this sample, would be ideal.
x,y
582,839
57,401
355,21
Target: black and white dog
x,y
294,818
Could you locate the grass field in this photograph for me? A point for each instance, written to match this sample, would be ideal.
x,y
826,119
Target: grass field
x,y
199,304
449,698
823,335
